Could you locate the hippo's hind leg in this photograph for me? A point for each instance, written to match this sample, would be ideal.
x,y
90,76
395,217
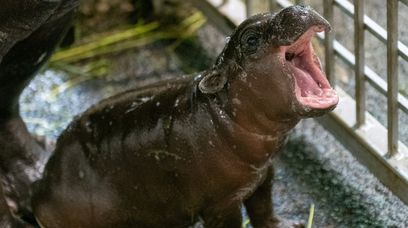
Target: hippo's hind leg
x,y
6,219
30,30
260,209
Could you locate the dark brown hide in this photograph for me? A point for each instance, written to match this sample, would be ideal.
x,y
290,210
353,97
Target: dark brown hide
x,y
178,151
165,155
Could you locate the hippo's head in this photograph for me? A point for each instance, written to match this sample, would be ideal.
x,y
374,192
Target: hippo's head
x,y
269,60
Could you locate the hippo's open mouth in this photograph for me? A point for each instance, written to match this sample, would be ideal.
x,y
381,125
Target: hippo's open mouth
x,y
312,89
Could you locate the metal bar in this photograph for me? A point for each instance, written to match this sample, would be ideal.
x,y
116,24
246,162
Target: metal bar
x,y
259,6
273,6
223,23
328,43
248,7
392,75
359,60
372,27
285,3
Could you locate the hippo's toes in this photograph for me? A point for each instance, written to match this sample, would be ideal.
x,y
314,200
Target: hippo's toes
x,y
281,223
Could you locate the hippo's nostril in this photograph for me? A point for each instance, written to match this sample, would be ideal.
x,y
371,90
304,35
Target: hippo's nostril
x,y
289,56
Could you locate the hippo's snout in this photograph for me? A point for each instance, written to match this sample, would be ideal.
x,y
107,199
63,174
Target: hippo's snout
x,y
290,23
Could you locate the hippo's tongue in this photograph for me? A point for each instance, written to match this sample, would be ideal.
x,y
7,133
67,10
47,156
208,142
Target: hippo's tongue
x,y
304,80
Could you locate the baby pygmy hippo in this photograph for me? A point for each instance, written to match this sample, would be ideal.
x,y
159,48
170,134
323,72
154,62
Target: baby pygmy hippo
x,y
195,148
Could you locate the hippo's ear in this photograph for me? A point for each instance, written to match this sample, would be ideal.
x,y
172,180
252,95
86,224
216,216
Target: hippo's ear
x,y
212,82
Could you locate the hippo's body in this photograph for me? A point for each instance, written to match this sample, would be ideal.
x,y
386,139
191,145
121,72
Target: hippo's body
x,y
195,148
171,156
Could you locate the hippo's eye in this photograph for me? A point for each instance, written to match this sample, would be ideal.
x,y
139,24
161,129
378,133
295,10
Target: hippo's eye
x,y
250,42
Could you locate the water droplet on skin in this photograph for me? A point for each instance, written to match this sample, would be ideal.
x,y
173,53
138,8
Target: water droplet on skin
x,y
88,126
220,59
81,174
176,103
236,101
145,99
222,114
197,77
158,104
243,76
133,106
41,58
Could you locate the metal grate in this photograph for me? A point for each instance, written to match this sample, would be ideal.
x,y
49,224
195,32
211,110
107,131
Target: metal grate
x,y
387,159
374,145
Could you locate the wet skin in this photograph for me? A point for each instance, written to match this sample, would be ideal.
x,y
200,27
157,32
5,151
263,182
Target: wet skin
x,y
168,154
198,147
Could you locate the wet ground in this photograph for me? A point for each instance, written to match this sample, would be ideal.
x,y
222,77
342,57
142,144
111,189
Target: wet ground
x,y
313,168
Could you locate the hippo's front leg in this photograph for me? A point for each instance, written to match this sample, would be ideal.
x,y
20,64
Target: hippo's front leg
x,y
223,218
260,209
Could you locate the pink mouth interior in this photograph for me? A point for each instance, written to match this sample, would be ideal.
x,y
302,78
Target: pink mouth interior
x,y
312,88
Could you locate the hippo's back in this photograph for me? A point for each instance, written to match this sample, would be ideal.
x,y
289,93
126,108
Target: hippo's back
x,y
98,160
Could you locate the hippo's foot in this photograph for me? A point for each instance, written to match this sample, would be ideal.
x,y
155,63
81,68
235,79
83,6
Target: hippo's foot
x,y
280,223
21,163
7,220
